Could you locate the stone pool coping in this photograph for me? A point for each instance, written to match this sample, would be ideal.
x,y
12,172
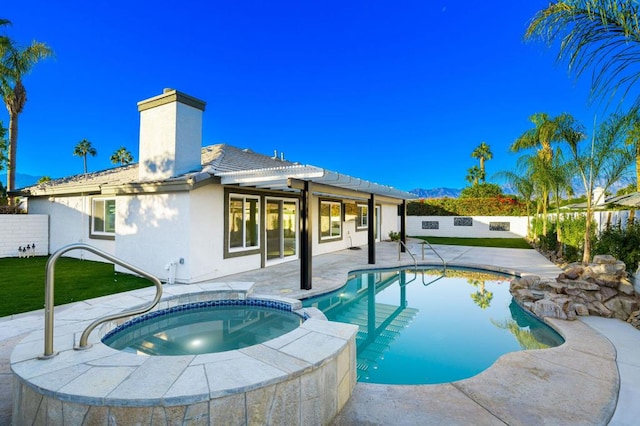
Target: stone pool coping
x,y
104,377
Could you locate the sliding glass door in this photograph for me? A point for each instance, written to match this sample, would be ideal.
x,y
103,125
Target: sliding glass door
x,y
281,229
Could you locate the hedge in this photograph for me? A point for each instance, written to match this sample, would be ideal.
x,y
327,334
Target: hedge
x,y
495,206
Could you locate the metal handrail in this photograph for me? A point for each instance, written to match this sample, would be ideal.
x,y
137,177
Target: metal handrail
x,y
400,245
425,242
49,292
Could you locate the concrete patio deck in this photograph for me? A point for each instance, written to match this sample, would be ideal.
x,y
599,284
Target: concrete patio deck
x,y
594,378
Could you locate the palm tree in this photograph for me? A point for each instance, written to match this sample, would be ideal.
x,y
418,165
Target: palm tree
x,y
122,156
546,131
523,185
541,136
599,34
482,153
474,174
83,149
3,146
633,139
601,163
16,62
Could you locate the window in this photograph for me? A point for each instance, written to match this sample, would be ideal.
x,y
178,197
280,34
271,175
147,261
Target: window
x,y
330,220
244,222
362,221
103,216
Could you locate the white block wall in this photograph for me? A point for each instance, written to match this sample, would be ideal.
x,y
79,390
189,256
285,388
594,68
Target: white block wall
x,y
480,226
23,229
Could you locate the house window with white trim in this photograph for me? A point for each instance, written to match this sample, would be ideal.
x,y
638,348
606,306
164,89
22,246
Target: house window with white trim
x,y
244,222
362,220
330,220
103,216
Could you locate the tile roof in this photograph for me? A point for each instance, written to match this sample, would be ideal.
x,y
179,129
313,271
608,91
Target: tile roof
x,y
220,157
234,165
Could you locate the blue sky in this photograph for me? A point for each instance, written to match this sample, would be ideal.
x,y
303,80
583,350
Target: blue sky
x,y
399,93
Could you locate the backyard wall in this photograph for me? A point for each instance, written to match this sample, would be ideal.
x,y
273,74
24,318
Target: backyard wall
x,y
20,230
467,226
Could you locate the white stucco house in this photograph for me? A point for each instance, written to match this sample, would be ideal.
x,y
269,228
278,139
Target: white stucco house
x,y
190,213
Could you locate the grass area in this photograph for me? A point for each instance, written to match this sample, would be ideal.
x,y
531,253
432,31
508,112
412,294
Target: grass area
x,y
22,282
518,243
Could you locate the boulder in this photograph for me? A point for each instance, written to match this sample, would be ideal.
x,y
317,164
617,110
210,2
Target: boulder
x,y
604,259
581,309
625,287
598,309
572,273
605,293
584,285
634,319
621,307
548,308
607,280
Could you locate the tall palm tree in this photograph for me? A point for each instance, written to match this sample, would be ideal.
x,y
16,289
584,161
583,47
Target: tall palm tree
x,y
122,156
601,163
598,35
482,153
16,62
545,132
541,136
83,149
3,146
474,174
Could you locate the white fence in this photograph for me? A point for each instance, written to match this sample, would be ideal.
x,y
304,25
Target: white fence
x,y
22,230
605,219
467,226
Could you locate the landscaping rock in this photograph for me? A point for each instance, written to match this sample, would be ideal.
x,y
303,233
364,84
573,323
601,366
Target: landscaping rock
x,y
572,273
603,259
548,308
625,287
598,309
600,288
581,310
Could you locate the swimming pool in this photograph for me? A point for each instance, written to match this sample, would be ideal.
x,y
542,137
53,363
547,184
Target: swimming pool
x,y
204,327
428,326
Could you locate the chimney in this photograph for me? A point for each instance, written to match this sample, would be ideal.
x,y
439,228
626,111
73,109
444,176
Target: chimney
x,y
170,135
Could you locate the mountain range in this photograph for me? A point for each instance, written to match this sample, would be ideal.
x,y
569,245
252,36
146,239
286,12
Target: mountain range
x,y
22,180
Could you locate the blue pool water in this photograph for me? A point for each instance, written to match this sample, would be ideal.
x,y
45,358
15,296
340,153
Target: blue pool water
x,y
204,327
426,326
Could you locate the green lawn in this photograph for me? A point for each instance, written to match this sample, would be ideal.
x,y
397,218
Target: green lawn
x,y
22,282
519,243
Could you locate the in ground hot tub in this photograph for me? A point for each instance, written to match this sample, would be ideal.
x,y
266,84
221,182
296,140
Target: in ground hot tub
x,y
205,327
303,376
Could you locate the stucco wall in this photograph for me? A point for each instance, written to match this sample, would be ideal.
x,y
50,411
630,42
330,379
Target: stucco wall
x,y
20,230
467,226
69,223
152,230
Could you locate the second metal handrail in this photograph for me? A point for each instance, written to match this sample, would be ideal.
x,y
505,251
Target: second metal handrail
x,y
425,242
49,292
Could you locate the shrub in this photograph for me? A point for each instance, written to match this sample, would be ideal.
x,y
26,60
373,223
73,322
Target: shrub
x,y
482,190
394,236
495,206
621,243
